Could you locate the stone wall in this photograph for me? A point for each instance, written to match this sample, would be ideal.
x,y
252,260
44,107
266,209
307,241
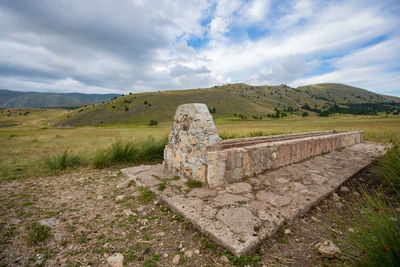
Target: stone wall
x,y
195,151
233,164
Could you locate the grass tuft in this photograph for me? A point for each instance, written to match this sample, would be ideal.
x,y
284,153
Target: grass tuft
x,y
389,169
123,151
38,233
194,183
145,194
102,159
63,161
375,240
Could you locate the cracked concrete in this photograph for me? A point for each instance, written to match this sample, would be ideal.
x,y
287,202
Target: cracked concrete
x,y
239,216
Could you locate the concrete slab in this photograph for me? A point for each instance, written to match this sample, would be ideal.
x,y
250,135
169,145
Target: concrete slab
x,y
240,216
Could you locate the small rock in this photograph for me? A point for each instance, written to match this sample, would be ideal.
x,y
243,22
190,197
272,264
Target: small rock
x,y
140,209
50,222
297,240
165,255
351,230
335,197
356,194
224,259
120,198
339,205
394,219
188,253
180,245
176,259
182,250
361,179
344,189
197,251
398,210
288,231
128,212
315,219
328,249
100,197
156,202
116,260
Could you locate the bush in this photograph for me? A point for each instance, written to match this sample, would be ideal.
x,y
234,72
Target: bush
x,y
38,233
63,161
375,239
153,122
123,151
102,159
305,114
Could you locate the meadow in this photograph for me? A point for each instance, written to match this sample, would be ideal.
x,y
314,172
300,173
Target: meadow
x,y
51,172
26,146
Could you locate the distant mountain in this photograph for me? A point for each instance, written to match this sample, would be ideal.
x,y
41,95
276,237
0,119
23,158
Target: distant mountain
x,y
14,99
239,101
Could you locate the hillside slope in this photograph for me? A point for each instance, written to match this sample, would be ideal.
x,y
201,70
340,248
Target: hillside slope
x,y
233,100
13,99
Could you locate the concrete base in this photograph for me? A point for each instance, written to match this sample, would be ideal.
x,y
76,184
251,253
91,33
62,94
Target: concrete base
x,y
239,216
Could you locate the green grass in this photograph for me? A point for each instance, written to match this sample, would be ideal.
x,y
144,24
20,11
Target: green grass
x,y
124,151
145,194
38,233
102,159
194,183
63,161
389,169
376,237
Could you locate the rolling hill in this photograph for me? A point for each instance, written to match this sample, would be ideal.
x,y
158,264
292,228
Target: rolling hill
x,y
13,99
230,101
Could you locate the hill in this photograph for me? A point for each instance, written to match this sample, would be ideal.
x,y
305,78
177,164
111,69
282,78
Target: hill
x,y
13,99
234,100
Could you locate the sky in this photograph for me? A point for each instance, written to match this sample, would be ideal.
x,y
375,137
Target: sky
x,y
123,46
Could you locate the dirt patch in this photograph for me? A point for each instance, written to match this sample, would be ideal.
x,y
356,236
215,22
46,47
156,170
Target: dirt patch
x,y
99,215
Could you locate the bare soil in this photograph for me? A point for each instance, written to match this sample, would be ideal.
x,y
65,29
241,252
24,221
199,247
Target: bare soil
x,y
94,225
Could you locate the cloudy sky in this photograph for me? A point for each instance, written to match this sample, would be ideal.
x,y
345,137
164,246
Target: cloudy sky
x,y
106,46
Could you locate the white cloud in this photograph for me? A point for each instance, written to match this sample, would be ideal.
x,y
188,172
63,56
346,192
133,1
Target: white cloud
x,y
104,46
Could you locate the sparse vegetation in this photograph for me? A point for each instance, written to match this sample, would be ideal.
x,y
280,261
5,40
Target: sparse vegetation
x,y
153,122
194,183
38,233
146,195
63,161
375,238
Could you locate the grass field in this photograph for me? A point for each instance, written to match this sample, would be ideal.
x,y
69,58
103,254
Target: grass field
x,y
95,222
25,147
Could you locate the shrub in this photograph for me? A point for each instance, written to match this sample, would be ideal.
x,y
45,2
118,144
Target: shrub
x,y
38,233
123,151
63,161
375,239
153,122
305,114
102,159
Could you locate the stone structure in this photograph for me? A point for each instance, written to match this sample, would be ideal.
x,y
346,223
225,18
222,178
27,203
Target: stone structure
x,y
192,136
195,151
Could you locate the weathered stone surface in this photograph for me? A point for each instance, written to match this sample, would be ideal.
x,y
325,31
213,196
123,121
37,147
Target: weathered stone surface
x,y
239,188
202,192
239,220
272,198
228,199
50,222
277,200
116,260
328,249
